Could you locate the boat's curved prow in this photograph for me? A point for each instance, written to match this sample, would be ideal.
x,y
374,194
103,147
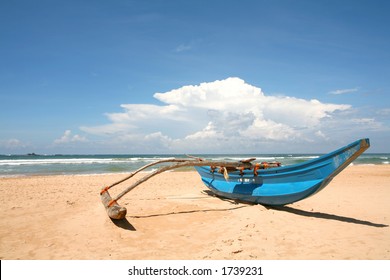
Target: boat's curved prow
x,y
283,185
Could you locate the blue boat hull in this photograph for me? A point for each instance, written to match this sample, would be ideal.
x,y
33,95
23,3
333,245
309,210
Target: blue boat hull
x,y
283,185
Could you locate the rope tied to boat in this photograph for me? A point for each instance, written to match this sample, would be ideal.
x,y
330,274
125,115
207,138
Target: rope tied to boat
x,y
105,189
223,170
265,165
112,202
257,166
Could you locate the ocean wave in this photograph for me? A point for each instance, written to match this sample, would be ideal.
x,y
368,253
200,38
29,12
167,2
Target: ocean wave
x,y
78,161
55,161
114,164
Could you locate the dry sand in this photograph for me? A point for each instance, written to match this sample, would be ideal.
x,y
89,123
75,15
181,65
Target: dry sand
x,y
171,217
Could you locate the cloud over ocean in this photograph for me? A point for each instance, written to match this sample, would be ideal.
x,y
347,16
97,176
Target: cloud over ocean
x,y
229,115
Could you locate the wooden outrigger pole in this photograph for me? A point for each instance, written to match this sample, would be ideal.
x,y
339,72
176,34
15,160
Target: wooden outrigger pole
x,y
115,211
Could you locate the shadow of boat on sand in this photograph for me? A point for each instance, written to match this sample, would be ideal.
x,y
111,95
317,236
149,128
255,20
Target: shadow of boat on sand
x,y
320,215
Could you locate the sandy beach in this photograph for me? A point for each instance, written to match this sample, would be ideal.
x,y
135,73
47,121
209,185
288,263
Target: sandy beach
x,y
172,217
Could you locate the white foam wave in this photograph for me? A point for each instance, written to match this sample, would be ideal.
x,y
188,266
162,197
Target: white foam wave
x,y
132,160
57,161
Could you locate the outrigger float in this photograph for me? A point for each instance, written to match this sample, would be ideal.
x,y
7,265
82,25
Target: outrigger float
x,y
267,183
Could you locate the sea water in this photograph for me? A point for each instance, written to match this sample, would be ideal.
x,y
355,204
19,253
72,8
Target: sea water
x,y
24,165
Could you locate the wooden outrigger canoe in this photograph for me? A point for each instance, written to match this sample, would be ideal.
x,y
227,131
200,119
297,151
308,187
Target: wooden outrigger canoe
x,y
263,183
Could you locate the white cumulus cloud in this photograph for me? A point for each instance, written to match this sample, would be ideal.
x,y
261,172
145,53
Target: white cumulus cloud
x,y
67,137
13,144
220,116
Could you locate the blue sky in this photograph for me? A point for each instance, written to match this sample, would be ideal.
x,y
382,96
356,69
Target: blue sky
x,y
193,76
